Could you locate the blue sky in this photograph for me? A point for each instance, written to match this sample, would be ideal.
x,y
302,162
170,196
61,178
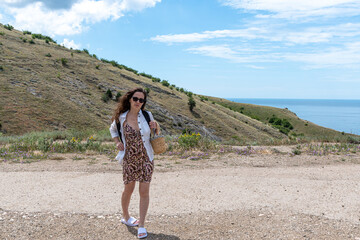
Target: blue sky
x,y
226,48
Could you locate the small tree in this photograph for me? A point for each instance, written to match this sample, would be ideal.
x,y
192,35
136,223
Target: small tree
x,y
147,90
165,83
191,103
109,94
8,27
64,62
118,95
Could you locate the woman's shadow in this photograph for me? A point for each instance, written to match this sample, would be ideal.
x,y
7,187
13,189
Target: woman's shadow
x,y
160,236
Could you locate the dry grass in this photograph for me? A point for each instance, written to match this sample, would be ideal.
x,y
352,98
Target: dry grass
x,y
38,93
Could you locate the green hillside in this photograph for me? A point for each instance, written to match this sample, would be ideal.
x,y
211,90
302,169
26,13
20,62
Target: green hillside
x,y
45,86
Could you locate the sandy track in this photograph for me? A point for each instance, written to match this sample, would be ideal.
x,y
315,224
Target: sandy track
x,y
327,191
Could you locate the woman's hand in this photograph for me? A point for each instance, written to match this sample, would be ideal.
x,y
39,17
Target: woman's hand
x,y
153,124
120,146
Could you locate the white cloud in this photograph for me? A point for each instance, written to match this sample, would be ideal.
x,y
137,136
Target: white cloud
x,y
297,9
308,35
249,33
70,44
255,67
226,52
38,17
349,56
63,4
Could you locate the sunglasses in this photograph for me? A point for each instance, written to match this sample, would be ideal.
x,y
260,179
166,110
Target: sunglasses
x,y
135,99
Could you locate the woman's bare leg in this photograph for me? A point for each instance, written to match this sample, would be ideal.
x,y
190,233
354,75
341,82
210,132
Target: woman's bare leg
x,y
144,190
125,199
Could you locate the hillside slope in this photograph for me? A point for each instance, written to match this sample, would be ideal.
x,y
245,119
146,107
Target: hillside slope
x,y
45,86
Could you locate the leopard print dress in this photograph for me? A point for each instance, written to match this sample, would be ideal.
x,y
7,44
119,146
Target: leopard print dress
x,y
136,164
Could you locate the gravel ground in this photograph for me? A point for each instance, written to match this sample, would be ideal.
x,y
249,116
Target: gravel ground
x,y
238,224
262,196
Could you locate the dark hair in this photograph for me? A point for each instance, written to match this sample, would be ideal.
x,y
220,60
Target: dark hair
x,y
124,103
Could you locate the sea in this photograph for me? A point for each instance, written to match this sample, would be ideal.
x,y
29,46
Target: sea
x,y
341,115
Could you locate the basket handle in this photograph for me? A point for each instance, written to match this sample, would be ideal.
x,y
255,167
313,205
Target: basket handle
x,y
152,131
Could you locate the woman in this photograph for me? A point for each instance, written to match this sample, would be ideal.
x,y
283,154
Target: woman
x,y
136,153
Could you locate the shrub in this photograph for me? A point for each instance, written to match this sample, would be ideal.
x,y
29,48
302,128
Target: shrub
x,y
182,90
78,51
188,141
191,103
72,54
94,55
287,124
26,32
24,40
147,90
31,41
63,61
105,97
202,98
283,125
42,37
104,60
97,66
1,68
109,94
121,66
118,95
297,150
115,63
354,140
165,83
48,55
8,27
85,51
2,33
146,75
44,144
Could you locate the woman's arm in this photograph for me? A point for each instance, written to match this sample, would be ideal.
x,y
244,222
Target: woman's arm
x,y
115,135
154,124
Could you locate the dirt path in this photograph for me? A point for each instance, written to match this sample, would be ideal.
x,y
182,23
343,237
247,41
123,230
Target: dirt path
x,y
241,202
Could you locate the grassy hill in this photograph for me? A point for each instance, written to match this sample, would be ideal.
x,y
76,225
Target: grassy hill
x,y
303,129
46,87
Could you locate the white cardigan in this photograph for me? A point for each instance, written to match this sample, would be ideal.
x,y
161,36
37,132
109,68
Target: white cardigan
x,y
144,130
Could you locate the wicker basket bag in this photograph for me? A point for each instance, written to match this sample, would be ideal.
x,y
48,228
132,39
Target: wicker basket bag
x,y
158,143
